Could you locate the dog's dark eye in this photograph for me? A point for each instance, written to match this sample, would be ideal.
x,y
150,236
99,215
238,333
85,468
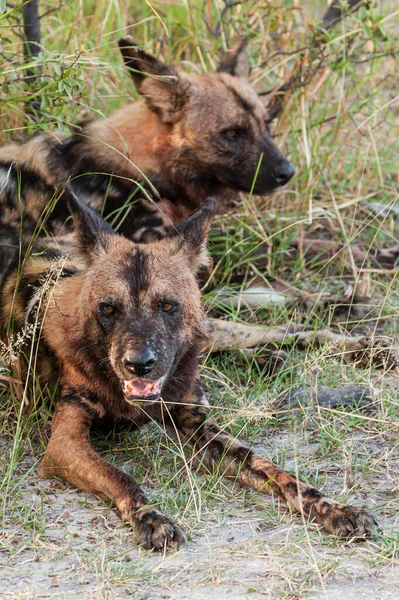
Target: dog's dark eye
x,y
168,306
107,315
231,133
107,309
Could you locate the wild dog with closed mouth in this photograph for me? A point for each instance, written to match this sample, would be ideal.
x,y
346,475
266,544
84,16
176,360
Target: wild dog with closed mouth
x,y
190,136
122,328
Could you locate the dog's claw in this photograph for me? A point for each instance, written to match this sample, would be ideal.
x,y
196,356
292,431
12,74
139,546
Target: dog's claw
x,y
154,530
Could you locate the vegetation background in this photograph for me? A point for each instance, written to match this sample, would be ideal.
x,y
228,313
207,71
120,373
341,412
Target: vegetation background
x,y
339,127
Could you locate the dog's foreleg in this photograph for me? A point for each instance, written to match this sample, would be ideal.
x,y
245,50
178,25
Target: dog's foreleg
x,y
216,449
69,455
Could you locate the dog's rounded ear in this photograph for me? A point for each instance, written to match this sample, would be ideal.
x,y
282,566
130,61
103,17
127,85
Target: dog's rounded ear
x,y
190,235
236,61
91,231
164,90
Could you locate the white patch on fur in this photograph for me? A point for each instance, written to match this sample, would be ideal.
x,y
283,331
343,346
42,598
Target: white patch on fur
x,y
7,181
42,294
32,304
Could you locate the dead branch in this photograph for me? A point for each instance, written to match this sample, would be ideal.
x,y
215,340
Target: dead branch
x,y
32,47
305,70
354,396
362,350
336,11
326,250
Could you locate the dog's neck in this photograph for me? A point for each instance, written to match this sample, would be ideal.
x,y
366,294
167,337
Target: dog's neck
x,y
135,144
131,141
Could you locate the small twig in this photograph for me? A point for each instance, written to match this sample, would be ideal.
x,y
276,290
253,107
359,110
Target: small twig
x,y
335,11
215,32
374,56
306,73
54,9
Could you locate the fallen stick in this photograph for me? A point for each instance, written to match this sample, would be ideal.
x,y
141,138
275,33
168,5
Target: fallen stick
x,y
364,350
354,395
324,250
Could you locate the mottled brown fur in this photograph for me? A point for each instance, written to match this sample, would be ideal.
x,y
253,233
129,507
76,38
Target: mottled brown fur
x,y
149,164
179,137
108,301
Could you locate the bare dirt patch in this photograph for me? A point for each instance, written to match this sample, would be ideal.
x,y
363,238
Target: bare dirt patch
x,y
61,543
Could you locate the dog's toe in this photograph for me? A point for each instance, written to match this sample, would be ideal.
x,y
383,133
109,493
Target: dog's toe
x,y
154,530
350,521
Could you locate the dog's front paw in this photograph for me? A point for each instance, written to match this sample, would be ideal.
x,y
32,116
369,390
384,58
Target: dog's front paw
x,y
348,521
153,530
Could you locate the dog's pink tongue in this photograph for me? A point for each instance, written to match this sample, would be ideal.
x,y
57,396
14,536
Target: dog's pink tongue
x,y
141,387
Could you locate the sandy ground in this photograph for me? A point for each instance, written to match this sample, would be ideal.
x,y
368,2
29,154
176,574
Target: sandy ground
x,y
61,543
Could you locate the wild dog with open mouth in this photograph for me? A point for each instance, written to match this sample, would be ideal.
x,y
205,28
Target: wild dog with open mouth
x,y
190,136
121,326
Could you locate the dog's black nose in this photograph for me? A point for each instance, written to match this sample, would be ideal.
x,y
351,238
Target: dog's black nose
x,y
140,361
283,172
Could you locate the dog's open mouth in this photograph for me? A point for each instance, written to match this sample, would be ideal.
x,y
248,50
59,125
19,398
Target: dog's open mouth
x,y
136,389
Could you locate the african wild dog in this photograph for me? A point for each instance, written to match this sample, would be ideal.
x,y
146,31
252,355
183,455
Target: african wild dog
x,y
190,136
122,328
